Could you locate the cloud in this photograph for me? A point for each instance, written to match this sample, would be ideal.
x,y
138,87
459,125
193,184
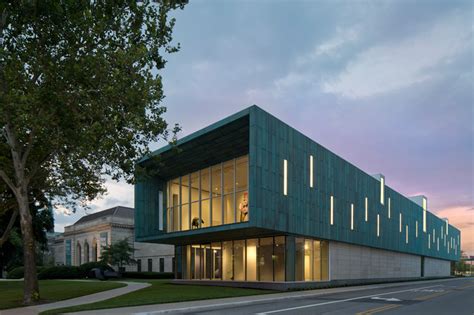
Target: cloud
x,y
332,46
398,64
462,218
118,194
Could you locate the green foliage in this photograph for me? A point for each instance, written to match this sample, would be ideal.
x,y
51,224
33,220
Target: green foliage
x,y
80,95
16,273
60,272
148,275
118,254
19,272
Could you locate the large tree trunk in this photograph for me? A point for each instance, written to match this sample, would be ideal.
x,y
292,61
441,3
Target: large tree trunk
x,y
31,289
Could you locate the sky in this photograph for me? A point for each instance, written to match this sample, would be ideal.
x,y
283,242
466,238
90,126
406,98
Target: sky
x,y
387,85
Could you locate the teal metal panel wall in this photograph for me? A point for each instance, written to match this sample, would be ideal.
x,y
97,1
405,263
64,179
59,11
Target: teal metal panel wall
x,y
305,210
147,207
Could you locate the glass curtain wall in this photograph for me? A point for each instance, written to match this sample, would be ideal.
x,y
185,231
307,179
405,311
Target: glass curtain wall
x,y
209,197
312,261
241,260
258,259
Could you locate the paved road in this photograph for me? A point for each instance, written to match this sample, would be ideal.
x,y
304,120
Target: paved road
x,y
448,296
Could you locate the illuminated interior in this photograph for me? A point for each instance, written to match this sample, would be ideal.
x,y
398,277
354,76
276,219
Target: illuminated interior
x,y
211,196
257,259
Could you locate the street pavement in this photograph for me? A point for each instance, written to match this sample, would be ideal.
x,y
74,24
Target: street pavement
x,y
447,296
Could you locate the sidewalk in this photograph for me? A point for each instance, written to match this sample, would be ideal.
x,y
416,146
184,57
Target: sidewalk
x,y
86,299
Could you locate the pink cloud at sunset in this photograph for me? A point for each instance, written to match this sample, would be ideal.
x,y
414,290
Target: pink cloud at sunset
x,y
463,219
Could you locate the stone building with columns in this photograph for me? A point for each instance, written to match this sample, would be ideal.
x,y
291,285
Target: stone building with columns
x,y
82,241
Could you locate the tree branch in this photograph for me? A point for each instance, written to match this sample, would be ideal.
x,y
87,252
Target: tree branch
x,y
29,145
6,233
8,181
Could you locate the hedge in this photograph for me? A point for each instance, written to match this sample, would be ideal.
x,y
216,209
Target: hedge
x,y
148,275
60,272
19,272
16,273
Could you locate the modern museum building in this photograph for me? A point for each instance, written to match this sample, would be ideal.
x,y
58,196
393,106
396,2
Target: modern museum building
x,y
251,199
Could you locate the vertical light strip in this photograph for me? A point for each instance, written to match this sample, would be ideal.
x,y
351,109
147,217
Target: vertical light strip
x,y
352,216
447,226
424,214
429,241
406,234
437,243
285,177
382,190
400,222
434,235
442,233
378,225
389,208
311,171
366,209
332,210
416,229
160,210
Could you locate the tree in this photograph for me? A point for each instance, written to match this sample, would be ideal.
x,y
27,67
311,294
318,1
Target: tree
x,y
118,254
80,95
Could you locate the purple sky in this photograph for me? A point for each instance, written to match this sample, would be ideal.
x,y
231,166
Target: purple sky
x,y
386,85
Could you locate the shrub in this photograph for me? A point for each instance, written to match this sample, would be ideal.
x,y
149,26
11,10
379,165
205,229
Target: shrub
x,y
19,272
16,273
84,269
60,272
148,275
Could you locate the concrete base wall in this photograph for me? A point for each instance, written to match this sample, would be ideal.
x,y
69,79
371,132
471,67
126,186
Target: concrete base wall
x,y
358,262
437,267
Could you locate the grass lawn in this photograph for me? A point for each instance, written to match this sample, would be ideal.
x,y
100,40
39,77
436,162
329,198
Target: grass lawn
x,y
161,291
11,292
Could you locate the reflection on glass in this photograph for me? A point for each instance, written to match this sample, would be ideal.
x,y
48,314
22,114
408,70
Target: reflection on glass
x,y
175,218
195,186
207,261
216,211
184,189
229,215
239,260
227,272
228,168
242,206
185,217
195,221
216,260
241,173
216,180
265,259
174,192
252,259
299,259
279,258
317,260
205,213
196,254
324,261
205,184
308,260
